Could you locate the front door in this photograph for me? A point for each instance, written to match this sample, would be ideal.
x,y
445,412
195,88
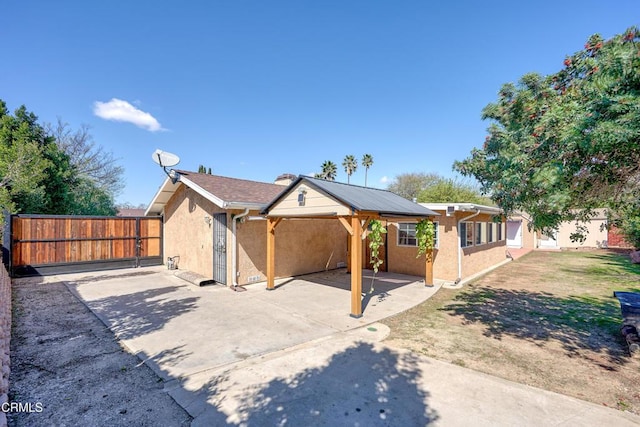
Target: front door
x,y
514,234
220,248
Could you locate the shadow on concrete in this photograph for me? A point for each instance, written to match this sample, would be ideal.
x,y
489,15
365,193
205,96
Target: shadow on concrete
x,y
360,385
140,313
577,322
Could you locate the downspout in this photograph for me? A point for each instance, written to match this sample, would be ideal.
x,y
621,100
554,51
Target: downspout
x,y
460,244
234,245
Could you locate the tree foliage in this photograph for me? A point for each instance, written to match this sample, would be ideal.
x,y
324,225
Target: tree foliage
x,y
433,188
329,171
38,176
562,145
350,165
89,159
452,190
367,162
409,185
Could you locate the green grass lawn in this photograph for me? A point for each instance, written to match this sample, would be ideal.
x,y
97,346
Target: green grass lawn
x,y
548,319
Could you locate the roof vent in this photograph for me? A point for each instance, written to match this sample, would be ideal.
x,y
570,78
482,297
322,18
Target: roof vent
x,y
450,210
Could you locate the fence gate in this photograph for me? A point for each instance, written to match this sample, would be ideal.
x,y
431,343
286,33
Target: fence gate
x,y
220,248
52,244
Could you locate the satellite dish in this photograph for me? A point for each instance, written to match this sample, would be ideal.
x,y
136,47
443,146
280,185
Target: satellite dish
x,y
165,159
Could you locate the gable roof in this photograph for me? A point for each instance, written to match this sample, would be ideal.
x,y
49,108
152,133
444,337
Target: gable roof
x,y
223,191
364,199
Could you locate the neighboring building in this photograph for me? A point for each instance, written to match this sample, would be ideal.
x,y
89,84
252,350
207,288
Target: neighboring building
x,y
520,234
130,212
213,227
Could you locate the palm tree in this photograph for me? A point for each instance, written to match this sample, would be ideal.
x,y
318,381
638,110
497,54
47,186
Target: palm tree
x,y
329,170
350,165
367,161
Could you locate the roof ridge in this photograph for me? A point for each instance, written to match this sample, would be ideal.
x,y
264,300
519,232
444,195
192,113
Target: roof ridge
x,y
183,172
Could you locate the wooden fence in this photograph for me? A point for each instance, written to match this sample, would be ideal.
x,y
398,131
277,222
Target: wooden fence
x,y
51,244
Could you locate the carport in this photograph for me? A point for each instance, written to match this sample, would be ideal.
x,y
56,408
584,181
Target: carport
x,y
354,206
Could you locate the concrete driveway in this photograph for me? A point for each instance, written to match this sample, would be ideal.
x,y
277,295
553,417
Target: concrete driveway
x,y
294,356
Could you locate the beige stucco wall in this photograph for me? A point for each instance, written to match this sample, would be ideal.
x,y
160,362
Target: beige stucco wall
x,y
596,238
186,234
302,246
475,259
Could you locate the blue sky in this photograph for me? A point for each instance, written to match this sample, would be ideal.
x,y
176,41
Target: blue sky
x,y
254,89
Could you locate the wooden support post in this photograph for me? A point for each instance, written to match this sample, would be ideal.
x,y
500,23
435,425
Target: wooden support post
x,y
428,277
356,268
271,252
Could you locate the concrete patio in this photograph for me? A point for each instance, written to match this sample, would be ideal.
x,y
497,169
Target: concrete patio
x,y
294,356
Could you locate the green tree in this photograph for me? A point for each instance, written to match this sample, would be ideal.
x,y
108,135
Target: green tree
x,y
409,185
22,164
329,171
367,162
89,159
452,190
203,169
37,175
350,165
562,145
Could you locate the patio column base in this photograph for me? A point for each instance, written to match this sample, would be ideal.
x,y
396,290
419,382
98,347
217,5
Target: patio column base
x,y
356,316
270,289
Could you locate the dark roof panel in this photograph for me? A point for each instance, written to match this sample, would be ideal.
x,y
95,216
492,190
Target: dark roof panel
x,y
234,189
364,198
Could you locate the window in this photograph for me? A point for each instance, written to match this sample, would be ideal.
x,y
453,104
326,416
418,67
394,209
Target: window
x,y
491,232
436,225
481,233
407,234
466,234
501,233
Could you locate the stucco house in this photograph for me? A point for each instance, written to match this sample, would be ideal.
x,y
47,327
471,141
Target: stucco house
x,y
213,227
469,241
217,227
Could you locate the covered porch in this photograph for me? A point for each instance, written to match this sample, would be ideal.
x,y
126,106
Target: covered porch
x,y
355,207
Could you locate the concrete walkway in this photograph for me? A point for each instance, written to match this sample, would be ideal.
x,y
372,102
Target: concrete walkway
x,y
293,356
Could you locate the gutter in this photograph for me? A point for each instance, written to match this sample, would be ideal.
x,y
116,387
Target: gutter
x,y
460,244
234,246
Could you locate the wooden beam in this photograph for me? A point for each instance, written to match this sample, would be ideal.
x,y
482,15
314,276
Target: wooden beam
x,y
428,277
356,268
271,251
272,223
346,225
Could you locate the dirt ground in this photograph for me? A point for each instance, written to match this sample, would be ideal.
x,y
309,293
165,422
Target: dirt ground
x,y
547,320
65,362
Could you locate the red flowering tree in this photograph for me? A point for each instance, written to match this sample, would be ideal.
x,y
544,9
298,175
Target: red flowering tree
x,y
562,145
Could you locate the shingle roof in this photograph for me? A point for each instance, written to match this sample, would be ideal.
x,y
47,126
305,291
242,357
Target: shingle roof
x,y
363,198
233,189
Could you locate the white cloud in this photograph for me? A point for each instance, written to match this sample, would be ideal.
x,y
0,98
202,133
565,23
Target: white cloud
x,y
384,179
118,110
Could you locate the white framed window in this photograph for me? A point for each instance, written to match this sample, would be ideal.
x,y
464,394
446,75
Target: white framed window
x,y
491,232
407,234
501,231
436,235
481,233
466,234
